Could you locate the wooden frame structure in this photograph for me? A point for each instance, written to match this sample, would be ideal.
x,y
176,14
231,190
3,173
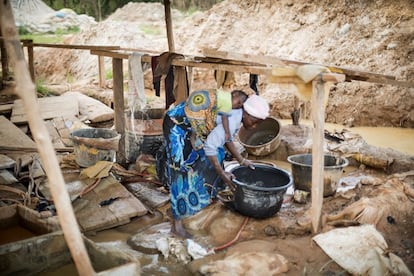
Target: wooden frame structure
x,y
213,60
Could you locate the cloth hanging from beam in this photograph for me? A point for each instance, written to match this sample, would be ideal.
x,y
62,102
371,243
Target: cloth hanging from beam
x,y
136,89
161,66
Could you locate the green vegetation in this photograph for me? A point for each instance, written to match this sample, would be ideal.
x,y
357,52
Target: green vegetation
x,y
108,74
56,37
70,78
42,90
150,30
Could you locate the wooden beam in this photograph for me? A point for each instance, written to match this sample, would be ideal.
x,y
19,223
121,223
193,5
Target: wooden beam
x,y
225,67
75,47
119,55
351,74
207,52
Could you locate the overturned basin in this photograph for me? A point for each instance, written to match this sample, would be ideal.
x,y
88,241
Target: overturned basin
x,y
94,144
302,172
262,140
259,192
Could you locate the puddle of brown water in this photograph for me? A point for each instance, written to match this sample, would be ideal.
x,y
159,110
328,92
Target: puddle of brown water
x,y
15,233
66,270
401,139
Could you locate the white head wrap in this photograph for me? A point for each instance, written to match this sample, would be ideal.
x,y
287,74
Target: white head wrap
x,y
257,107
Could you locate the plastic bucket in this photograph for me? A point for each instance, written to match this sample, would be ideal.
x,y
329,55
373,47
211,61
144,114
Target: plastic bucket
x,y
94,144
302,172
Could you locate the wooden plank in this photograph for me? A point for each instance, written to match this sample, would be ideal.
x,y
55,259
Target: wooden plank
x,y
54,135
50,107
94,110
318,117
6,108
6,162
93,217
12,136
148,194
75,47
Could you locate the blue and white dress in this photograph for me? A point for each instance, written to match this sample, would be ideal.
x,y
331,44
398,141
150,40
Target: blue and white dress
x,y
187,172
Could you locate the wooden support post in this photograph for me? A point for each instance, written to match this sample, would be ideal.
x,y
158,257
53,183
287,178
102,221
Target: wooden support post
x,y
102,77
318,118
31,59
119,107
25,89
4,63
168,23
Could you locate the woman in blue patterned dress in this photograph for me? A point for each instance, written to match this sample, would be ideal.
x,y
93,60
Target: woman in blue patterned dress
x,y
193,175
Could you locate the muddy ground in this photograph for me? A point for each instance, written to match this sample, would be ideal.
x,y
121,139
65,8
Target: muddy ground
x,y
374,36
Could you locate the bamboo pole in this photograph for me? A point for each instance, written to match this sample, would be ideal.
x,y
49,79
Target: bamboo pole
x,y
25,89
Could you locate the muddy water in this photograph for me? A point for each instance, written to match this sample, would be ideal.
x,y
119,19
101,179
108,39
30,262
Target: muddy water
x,y
400,139
15,233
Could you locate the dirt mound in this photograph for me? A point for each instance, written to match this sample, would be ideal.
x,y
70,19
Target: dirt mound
x,y
375,36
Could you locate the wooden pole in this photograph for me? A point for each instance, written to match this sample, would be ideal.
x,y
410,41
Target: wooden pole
x,y
119,108
168,22
101,67
31,59
25,89
318,118
4,62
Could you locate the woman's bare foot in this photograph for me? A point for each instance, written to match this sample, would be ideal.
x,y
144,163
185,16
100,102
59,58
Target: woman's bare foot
x,y
178,229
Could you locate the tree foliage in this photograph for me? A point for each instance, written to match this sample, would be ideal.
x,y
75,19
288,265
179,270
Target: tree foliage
x,y
100,9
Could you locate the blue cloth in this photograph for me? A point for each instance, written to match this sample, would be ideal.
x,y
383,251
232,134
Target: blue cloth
x,y
191,178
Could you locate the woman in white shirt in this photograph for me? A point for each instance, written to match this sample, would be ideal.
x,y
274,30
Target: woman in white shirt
x,y
193,175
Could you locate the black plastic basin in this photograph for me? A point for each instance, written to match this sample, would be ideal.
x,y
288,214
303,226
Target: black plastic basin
x,y
259,192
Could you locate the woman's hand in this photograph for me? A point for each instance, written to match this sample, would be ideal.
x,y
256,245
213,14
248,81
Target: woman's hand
x,y
227,178
247,163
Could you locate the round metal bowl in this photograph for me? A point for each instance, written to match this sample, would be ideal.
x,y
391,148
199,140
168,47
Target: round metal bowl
x,y
302,172
263,139
259,192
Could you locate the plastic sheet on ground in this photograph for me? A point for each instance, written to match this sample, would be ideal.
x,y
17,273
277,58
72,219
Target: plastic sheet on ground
x,y
361,251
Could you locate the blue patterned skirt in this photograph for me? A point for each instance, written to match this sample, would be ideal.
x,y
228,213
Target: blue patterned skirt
x,y
188,173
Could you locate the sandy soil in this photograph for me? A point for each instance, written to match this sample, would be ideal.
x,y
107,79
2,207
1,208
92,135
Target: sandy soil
x,y
373,36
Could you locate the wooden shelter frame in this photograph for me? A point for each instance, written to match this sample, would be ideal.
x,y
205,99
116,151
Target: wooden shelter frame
x,y
215,60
